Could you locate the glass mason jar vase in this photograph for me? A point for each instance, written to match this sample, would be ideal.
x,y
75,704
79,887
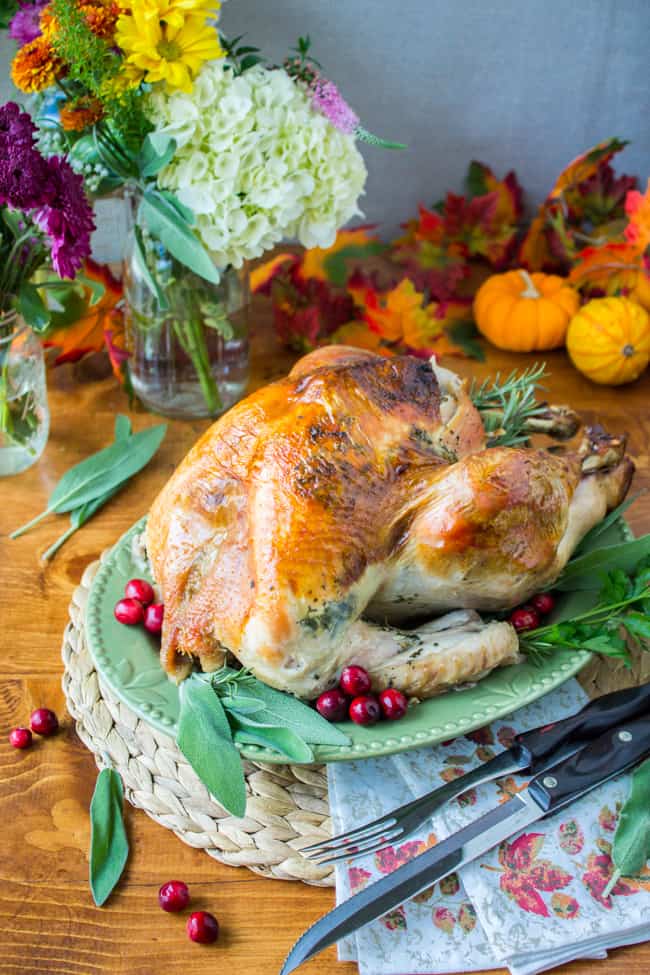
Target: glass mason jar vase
x,y
189,359
24,413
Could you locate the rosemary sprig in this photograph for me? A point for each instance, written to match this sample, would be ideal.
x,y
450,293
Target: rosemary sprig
x,y
507,406
607,628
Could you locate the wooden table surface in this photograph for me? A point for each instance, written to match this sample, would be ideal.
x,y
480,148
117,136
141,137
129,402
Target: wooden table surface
x,y
48,923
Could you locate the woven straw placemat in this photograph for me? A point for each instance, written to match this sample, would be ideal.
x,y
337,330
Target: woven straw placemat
x,y
287,805
286,808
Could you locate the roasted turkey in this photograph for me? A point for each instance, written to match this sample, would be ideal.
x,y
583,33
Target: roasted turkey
x,y
323,518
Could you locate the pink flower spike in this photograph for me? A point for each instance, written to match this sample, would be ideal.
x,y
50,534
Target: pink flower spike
x,y
328,99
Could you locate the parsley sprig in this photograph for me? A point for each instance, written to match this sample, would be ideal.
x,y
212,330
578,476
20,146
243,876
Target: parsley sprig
x,y
619,620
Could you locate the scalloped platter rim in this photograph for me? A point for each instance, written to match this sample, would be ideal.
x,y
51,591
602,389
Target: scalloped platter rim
x,y
127,660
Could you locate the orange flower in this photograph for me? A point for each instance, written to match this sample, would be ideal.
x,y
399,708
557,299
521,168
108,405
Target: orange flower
x,y
101,18
36,66
77,115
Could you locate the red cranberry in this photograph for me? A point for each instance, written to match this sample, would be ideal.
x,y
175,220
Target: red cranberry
x,y
354,680
524,618
153,617
202,927
333,705
129,611
44,722
141,590
20,737
174,896
393,704
365,709
543,602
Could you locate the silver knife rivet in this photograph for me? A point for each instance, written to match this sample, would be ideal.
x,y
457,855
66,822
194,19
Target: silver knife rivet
x,y
549,782
624,736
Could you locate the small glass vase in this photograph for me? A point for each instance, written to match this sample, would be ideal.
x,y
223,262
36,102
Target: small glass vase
x,y
24,412
190,359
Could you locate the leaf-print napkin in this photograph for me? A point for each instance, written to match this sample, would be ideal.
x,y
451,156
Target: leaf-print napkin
x,y
533,904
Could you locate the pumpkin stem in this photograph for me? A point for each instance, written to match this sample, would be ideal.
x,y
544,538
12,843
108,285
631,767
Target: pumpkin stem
x,y
530,291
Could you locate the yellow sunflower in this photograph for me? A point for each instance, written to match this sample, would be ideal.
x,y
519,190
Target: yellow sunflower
x,y
159,51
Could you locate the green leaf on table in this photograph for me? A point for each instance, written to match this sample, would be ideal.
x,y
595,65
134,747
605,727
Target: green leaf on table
x,y
109,846
166,224
205,739
31,306
631,847
101,473
586,571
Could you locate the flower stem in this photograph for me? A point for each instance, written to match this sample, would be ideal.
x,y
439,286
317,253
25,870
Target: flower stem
x,y
192,337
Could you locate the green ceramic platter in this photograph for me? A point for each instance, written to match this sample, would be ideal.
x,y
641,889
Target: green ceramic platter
x,y
127,660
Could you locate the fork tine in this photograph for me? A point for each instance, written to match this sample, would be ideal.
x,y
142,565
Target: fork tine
x,y
362,849
345,839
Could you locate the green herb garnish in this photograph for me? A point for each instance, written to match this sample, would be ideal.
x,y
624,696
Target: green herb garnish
x,y
506,406
229,708
88,485
620,617
631,849
109,846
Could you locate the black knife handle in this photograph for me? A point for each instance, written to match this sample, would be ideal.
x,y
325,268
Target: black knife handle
x,y
595,718
614,752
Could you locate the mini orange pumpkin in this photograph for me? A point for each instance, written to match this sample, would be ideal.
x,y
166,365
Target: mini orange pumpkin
x,y
609,340
525,312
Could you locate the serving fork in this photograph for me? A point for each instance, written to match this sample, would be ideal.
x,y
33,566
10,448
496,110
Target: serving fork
x,y
533,751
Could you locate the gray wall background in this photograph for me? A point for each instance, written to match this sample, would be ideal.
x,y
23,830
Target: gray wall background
x,y
523,84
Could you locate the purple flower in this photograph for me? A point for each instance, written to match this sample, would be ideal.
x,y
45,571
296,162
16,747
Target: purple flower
x,y
328,99
25,23
67,219
25,180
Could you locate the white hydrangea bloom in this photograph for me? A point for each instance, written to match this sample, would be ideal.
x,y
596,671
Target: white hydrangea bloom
x,y
256,163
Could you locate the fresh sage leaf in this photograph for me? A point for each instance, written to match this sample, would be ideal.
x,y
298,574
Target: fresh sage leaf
x,y
586,571
286,711
79,516
282,740
157,150
101,473
631,847
165,223
205,739
109,846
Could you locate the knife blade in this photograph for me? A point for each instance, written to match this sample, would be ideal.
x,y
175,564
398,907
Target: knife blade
x,y
601,760
533,751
